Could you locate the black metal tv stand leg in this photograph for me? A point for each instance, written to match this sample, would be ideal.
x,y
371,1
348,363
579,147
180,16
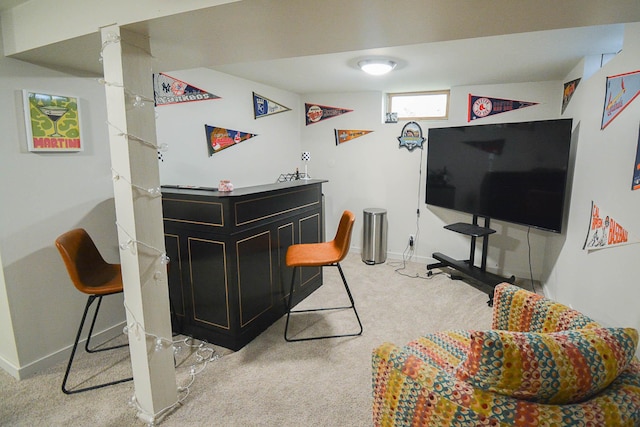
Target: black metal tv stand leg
x,y
468,268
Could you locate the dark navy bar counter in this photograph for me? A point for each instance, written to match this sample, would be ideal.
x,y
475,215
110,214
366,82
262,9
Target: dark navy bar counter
x,y
228,280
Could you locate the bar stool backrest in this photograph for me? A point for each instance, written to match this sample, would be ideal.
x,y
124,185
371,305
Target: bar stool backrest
x,y
342,240
87,269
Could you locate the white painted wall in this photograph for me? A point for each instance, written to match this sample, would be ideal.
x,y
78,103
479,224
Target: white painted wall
x,y
8,349
55,192
42,196
258,160
372,171
604,283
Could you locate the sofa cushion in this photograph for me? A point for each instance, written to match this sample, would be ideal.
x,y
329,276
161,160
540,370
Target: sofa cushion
x,y
517,309
555,368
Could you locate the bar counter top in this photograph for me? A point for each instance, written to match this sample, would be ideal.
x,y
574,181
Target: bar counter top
x,y
242,191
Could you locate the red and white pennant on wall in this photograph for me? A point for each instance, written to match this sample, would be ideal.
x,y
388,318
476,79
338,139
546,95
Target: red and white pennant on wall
x,y
484,106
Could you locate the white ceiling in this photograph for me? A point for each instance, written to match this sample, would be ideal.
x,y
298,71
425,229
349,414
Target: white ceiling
x,y
516,58
314,52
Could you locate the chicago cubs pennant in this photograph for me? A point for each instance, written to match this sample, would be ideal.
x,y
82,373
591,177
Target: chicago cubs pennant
x,y
315,113
220,138
482,106
265,107
604,232
621,90
168,90
344,135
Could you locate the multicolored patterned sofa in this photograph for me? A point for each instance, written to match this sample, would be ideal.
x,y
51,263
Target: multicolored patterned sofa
x,y
541,364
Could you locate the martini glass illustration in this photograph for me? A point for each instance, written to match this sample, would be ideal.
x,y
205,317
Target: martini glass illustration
x,y
54,114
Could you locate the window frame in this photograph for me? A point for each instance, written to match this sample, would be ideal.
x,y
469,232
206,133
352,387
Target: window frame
x,y
446,92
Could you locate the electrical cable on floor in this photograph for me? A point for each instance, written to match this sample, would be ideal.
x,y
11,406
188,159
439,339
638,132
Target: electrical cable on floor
x,y
402,265
533,285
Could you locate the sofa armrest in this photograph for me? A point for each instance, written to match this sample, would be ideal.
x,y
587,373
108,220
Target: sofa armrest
x,y
517,309
409,391
413,390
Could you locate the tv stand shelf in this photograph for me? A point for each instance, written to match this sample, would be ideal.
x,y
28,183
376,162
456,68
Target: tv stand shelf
x,y
469,229
467,267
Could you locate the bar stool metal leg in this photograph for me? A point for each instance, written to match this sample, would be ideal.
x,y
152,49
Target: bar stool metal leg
x,y
90,301
352,307
93,323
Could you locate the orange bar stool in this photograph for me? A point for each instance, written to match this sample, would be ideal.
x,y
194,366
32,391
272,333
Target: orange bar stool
x,y
93,276
327,254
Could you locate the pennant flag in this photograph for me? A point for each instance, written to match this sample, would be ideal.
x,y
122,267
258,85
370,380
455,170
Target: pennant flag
x,y
344,135
265,107
482,106
167,90
635,184
315,113
604,233
621,90
569,90
220,138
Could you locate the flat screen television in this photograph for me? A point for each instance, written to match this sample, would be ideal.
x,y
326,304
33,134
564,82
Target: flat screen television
x,y
513,172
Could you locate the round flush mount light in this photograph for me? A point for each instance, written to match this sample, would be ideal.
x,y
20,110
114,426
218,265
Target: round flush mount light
x,y
376,67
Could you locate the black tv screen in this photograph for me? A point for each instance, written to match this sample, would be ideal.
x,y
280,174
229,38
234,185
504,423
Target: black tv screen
x,y
513,172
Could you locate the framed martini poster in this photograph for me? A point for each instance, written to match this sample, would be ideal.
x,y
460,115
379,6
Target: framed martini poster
x,y
52,122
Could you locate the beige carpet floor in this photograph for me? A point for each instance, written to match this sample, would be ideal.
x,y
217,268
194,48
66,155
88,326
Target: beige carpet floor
x,y
270,382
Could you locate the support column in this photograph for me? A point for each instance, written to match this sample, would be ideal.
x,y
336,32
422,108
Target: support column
x,y
132,138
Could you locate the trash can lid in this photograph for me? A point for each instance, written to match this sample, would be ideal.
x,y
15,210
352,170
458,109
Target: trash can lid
x,y
375,210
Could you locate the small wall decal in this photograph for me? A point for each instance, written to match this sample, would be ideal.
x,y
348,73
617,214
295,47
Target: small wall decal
x,y
411,136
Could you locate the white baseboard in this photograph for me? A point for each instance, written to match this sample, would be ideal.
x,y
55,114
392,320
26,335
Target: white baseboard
x,y
9,368
398,256
62,355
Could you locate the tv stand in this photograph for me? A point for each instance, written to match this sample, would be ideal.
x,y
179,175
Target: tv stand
x,y
468,267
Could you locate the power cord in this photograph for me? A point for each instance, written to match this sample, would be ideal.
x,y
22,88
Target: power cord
x,y
413,241
402,265
533,285
409,250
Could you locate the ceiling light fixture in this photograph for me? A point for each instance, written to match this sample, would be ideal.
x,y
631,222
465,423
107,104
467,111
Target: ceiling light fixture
x,y
376,67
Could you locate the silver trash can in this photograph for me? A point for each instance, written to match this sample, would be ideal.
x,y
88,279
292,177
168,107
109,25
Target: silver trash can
x,y
374,236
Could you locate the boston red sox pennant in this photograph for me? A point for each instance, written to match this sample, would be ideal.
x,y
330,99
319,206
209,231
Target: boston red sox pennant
x,y
483,106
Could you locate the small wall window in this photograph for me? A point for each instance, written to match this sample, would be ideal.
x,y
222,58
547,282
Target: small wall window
x,y
432,105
